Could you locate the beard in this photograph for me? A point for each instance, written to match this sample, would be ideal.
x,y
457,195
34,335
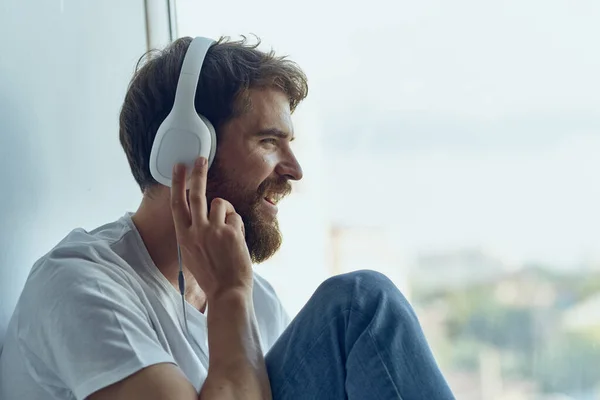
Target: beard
x,y
262,233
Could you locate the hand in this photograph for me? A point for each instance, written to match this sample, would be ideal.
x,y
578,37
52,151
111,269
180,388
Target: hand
x,y
212,245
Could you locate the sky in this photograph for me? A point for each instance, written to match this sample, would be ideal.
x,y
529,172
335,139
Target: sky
x,y
451,124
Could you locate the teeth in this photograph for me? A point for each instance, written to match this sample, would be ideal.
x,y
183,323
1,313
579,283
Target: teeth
x,y
273,198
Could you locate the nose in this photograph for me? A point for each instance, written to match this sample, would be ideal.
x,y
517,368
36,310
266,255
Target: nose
x,y
289,168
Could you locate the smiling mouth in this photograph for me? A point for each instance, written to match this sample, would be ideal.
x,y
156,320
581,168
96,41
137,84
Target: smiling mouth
x,y
273,198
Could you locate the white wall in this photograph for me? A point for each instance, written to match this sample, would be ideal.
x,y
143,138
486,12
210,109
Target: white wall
x,y
64,69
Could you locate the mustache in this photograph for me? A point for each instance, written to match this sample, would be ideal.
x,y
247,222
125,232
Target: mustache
x,y
281,186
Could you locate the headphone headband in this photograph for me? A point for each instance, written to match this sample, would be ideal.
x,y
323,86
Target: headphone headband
x,y
190,71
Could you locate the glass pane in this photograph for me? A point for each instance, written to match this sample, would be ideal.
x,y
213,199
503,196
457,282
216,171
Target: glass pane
x,y
455,147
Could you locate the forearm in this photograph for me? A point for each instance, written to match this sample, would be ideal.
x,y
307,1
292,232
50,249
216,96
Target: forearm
x,y
236,367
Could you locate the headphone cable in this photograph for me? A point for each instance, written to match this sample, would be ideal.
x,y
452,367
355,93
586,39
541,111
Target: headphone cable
x,y
182,289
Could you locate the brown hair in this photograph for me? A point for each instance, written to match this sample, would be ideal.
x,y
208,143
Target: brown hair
x,y
229,70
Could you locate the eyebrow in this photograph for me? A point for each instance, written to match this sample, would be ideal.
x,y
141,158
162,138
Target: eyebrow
x,y
275,132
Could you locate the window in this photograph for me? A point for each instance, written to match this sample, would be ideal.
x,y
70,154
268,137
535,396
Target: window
x,y
454,146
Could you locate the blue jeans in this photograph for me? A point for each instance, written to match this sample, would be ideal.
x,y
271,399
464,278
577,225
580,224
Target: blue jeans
x,y
356,338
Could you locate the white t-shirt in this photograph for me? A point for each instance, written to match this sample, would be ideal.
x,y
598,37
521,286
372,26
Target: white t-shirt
x,y
95,310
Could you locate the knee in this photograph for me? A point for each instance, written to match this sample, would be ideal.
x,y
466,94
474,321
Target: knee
x,y
364,279
359,289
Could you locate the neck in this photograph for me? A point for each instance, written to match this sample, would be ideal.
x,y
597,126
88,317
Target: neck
x,y
154,221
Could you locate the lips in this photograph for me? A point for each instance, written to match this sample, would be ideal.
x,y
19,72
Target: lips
x,y
274,197
273,190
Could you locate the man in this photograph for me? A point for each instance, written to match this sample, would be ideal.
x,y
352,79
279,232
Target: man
x,y
100,316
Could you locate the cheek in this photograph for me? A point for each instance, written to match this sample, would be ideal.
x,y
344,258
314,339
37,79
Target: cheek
x,y
253,166
255,169
269,160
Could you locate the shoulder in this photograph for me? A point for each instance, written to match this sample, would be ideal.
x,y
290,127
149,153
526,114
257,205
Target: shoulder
x,y
73,281
80,289
81,271
88,326
83,320
82,256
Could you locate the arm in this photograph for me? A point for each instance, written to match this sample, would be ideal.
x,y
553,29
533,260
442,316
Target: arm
x,y
213,248
237,368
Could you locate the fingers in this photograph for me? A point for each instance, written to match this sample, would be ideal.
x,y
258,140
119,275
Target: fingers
x,y
179,205
235,220
198,207
219,210
223,212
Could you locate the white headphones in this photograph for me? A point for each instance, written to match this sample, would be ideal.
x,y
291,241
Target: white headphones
x,y
184,135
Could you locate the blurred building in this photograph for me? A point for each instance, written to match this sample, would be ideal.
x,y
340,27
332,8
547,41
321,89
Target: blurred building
x,y
456,268
584,317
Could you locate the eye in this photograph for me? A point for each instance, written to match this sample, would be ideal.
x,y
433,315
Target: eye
x,y
269,141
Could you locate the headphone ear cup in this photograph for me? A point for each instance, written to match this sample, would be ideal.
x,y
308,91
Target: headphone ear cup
x,y
213,139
